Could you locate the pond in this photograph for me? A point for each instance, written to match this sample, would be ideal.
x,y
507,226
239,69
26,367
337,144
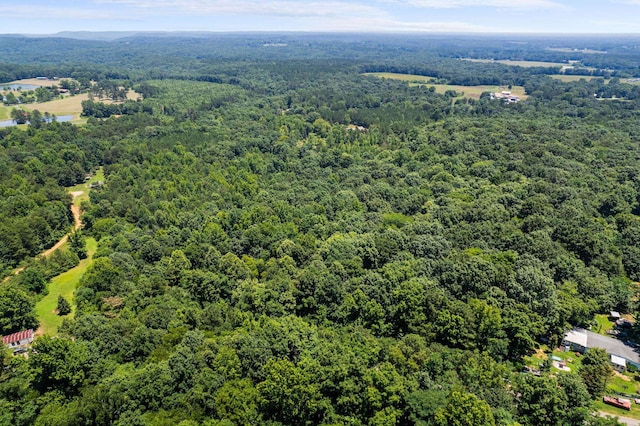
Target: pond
x,y
20,86
60,119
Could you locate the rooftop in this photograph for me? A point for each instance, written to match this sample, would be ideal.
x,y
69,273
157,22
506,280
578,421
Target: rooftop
x,y
618,360
16,337
589,339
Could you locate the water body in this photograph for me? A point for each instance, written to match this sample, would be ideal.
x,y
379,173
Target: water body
x,y
19,86
60,119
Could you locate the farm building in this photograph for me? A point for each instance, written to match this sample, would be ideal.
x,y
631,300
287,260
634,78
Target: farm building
x,y
581,340
18,340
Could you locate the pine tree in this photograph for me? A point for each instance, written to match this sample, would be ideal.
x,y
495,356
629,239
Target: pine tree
x,y
64,307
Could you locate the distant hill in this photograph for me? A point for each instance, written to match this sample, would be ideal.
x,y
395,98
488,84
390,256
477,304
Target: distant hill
x,y
87,35
118,35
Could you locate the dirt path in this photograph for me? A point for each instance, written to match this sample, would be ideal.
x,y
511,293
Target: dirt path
x,y
75,210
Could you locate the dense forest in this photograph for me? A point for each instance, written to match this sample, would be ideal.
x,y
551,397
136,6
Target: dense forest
x,y
283,240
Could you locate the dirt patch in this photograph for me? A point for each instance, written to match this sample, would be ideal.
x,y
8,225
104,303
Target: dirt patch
x,y
540,354
622,376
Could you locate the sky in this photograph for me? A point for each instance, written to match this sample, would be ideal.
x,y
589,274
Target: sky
x,y
519,16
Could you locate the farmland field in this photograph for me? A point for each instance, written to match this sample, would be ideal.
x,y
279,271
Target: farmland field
x,y
34,82
525,64
69,105
464,91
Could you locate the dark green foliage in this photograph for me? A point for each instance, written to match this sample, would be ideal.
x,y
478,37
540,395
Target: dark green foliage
x,y
282,240
16,310
63,307
78,245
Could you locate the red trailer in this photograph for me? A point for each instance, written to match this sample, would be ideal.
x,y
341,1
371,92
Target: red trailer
x,y
617,402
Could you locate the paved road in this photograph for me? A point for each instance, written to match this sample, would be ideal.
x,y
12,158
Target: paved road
x,y
624,420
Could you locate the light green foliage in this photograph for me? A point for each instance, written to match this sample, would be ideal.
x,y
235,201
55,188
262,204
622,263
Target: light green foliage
x,y
464,409
282,240
595,371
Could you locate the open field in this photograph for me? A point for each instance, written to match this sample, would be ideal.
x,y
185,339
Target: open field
x,y
35,82
466,91
64,284
571,78
570,50
69,105
525,64
412,78
5,113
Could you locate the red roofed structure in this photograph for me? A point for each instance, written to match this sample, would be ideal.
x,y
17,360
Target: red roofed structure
x,y
20,338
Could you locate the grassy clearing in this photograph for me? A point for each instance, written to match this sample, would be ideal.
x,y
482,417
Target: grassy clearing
x,y
34,82
613,411
5,113
525,64
70,105
570,50
572,78
84,187
475,91
64,284
463,91
411,78
602,324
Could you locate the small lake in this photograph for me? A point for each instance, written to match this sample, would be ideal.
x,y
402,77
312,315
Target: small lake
x,y
21,86
60,119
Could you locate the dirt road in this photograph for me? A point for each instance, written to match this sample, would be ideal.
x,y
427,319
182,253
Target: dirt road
x,y
75,210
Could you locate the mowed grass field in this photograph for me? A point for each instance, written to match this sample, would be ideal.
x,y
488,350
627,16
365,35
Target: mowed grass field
x,y
465,91
526,64
5,113
64,284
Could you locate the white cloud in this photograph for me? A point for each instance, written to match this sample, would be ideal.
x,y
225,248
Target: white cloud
x,y
58,13
249,7
504,4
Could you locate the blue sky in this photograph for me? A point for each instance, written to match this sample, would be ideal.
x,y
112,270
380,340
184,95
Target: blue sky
x,y
546,16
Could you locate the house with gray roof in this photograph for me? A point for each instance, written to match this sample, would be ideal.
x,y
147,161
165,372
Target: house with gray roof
x,y
581,340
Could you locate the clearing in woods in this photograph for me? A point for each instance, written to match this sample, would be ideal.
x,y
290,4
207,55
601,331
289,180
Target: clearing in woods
x,y
79,193
66,283
524,64
571,78
464,91
70,105
63,285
